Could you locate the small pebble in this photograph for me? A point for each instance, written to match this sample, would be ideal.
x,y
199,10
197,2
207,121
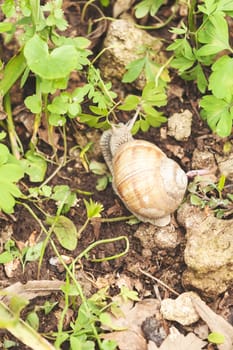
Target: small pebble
x,y
181,309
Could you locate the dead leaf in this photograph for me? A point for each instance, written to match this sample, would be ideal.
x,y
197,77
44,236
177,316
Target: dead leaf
x,y
127,340
152,346
31,289
51,139
11,266
176,340
132,337
215,323
121,6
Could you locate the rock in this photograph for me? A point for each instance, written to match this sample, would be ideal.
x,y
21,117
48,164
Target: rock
x,y
181,309
123,43
209,251
179,125
167,237
225,164
203,159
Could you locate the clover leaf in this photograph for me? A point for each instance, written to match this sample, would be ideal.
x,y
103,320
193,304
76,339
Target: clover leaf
x,y
50,65
221,79
10,173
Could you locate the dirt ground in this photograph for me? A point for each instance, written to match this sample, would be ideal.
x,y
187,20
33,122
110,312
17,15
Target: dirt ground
x,y
166,265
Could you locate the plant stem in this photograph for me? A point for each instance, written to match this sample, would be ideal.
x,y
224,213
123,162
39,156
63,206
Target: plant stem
x,y
37,120
16,146
192,21
104,241
22,330
119,218
35,8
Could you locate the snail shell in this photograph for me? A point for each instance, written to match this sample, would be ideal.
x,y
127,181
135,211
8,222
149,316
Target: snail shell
x,y
150,184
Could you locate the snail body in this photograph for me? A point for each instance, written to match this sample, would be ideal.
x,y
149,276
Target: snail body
x,y
150,184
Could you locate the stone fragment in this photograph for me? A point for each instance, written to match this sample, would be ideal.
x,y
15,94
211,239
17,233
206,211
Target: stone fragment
x,y
180,309
124,43
179,125
209,251
203,159
225,165
150,236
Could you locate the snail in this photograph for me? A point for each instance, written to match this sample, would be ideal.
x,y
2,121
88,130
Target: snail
x,y
150,184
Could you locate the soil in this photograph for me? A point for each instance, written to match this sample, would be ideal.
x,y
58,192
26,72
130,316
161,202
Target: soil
x,y
166,265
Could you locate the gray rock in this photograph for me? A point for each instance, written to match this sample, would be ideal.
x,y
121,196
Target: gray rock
x,y
180,309
203,159
124,42
225,165
209,251
179,125
167,237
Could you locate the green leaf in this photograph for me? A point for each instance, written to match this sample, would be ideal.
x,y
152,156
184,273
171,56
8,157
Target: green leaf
x,y
6,27
33,253
57,120
182,63
131,102
6,257
12,71
10,172
102,183
154,118
59,104
196,73
99,111
81,343
63,195
134,69
195,200
65,231
93,208
74,109
35,166
218,114
48,306
49,65
221,79
214,34
33,320
97,168
216,338
108,344
147,6
208,7
17,304
8,8
4,154
154,95
126,294
33,103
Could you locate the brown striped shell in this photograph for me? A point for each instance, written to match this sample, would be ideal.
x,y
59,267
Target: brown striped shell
x,y
150,184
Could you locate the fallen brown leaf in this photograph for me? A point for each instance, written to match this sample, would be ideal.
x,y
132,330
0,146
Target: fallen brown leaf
x,y
31,289
131,338
215,323
128,340
121,6
176,340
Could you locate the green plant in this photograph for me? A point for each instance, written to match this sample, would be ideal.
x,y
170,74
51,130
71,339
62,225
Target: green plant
x,y
100,169
148,116
51,57
216,338
93,314
145,7
204,46
11,171
212,196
